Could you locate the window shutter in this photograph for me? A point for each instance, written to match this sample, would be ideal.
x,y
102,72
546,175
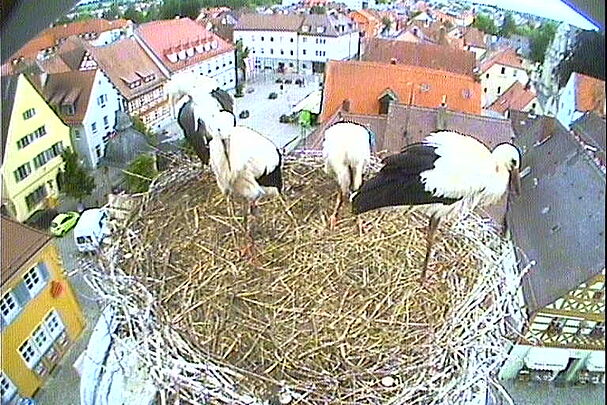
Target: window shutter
x,y
43,269
21,294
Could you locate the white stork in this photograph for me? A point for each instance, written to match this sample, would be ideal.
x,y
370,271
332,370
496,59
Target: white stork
x,y
205,98
245,163
446,174
346,152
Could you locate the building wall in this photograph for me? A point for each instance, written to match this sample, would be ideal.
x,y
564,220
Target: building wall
x,y
32,315
27,97
271,48
100,114
221,67
566,112
478,52
494,82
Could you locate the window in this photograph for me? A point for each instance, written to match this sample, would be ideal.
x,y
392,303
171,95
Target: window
x,y
98,151
485,90
34,279
499,89
9,308
503,70
29,113
29,138
271,39
34,198
30,355
487,75
291,52
282,52
262,38
94,127
106,122
271,51
7,388
291,39
54,325
22,172
514,72
67,109
42,339
304,51
425,87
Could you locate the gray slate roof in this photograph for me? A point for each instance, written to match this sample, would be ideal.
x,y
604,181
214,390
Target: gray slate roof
x,y
591,128
559,219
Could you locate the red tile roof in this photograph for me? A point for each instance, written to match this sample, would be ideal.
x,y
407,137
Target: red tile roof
x,y
589,94
475,37
55,35
169,39
506,57
440,57
364,82
70,88
515,98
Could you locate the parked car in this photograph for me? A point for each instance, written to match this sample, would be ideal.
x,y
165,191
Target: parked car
x,y
62,223
273,96
91,230
244,114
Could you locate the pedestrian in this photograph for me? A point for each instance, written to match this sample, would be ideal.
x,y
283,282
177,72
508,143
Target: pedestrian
x,y
281,88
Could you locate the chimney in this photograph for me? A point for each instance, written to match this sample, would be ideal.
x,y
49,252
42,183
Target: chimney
x,y
442,116
43,77
393,61
345,105
442,36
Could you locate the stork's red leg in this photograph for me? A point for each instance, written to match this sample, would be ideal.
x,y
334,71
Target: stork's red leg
x,y
430,242
333,217
248,250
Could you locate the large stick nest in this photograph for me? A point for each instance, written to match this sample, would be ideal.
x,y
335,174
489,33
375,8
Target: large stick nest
x,y
322,316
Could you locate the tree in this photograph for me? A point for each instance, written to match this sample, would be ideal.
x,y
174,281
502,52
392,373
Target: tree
x,y
540,40
140,174
242,53
486,24
131,13
586,56
151,137
318,10
508,26
113,12
73,180
183,8
386,24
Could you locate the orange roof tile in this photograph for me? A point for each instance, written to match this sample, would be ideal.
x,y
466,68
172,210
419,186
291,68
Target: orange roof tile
x,y
589,93
363,83
515,98
506,57
168,37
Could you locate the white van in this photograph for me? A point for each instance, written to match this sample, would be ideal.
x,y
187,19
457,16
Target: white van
x,y
91,229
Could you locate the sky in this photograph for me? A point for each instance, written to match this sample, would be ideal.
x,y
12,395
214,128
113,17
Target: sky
x,y
553,9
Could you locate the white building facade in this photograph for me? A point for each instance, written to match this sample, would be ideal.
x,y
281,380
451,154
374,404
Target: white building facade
x,y
296,43
498,78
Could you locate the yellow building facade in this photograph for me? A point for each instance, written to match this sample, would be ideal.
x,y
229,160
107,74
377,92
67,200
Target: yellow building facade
x,y
40,315
33,139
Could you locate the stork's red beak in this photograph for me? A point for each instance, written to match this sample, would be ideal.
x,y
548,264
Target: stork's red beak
x,y
515,182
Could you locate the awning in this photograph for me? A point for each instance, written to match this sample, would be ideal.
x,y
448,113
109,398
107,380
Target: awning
x,y
310,103
545,358
596,362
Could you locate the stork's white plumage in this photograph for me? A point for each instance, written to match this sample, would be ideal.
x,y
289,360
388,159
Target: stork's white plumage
x,y
346,152
245,163
446,174
200,99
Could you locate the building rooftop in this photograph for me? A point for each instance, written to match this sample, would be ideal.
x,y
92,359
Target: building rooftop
x,y
364,83
180,43
69,88
439,57
19,244
516,97
505,57
269,22
589,93
559,219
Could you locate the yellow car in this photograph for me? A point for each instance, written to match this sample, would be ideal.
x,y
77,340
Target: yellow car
x,y
63,222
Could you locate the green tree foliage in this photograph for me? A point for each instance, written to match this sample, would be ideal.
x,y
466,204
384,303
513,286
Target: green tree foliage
x,y
318,10
140,174
508,26
113,12
73,180
151,137
183,8
486,24
386,24
540,40
131,13
587,56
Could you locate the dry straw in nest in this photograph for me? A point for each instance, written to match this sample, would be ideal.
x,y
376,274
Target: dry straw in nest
x,y
321,317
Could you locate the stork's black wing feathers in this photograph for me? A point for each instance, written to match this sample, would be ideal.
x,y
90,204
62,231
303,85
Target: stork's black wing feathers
x,y
398,182
198,138
274,178
414,158
224,99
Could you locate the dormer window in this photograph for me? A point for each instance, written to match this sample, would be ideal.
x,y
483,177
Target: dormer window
x,y
172,57
305,28
67,109
320,30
